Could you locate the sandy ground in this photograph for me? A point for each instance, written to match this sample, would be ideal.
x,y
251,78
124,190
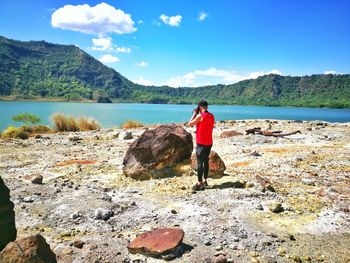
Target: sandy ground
x,y
310,173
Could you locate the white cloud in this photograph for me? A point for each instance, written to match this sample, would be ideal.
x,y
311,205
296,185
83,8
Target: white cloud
x,y
101,44
330,72
214,76
99,19
142,64
123,49
108,59
143,81
202,16
171,20
105,44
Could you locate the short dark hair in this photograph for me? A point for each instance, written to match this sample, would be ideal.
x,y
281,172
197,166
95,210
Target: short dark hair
x,y
203,103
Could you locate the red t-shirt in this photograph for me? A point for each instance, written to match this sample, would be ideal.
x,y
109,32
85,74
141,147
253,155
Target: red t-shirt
x,y
204,133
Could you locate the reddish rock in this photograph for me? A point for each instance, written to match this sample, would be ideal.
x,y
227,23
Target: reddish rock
x,y
157,242
232,133
33,249
216,164
156,152
8,230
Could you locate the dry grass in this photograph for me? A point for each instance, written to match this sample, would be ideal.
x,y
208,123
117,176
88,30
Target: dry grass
x,y
129,124
88,124
14,132
69,123
36,129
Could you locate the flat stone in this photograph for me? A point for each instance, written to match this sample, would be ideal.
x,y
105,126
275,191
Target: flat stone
x,y
231,133
157,242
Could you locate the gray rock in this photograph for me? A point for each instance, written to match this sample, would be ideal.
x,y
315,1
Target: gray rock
x,y
103,214
276,207
28,199
37,179
74,138
127,136
308,181
218,248
75,215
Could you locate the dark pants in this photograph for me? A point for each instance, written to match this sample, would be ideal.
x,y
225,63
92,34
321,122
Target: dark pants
x,y
202,153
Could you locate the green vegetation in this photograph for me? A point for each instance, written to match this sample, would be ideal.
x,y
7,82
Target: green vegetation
x,y
69,123
130,124
26,118
37,69
14,132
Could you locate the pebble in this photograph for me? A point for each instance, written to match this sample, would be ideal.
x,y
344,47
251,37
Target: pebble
x,y
28,199
308,181
207,243
218,248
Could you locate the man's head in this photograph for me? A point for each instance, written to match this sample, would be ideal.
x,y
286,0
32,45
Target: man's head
x,y
203,105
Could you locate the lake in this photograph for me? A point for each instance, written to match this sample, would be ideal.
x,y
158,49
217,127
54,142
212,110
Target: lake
x,y
112,115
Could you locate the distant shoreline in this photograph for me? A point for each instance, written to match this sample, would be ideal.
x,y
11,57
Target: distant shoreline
x,y
13,98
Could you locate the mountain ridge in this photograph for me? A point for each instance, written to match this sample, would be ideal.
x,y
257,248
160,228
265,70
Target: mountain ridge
x,y
38,69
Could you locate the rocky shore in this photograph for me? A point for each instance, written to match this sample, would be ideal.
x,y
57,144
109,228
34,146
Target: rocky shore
x,y
281,199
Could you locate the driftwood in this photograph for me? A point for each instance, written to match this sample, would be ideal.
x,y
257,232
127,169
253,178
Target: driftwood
x,y
270,133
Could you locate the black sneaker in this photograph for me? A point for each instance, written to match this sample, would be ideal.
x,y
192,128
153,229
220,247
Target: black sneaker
x,y
198,187
206,184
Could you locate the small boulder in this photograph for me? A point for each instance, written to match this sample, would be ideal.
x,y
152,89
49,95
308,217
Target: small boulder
x,y
228,134
157,152
103,214
8,230
32,249
38,179
128,136
160,241
74,138
276,207
216,164
78,244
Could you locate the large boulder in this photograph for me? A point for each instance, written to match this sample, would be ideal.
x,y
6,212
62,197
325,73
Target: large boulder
x,y
157,242
157,152
8,230
33,249
216,164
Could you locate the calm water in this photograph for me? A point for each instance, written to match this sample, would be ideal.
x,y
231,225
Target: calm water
x,y
112,115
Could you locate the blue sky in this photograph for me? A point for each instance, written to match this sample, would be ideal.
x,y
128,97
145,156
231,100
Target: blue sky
x,y
191,42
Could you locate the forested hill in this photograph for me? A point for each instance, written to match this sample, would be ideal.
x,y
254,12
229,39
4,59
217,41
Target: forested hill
x,y
39,69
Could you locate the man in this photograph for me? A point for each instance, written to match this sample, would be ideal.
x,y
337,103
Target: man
x,y
204,122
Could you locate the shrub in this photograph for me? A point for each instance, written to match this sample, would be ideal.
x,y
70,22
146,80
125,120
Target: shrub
x,y
41,129
129,124
69,123
26,118
14,132
88,124
60,122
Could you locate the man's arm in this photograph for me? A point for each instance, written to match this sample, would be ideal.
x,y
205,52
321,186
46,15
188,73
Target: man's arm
x,y
194,121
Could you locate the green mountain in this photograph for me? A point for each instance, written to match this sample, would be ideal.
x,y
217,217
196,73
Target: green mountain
x,y
39,69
